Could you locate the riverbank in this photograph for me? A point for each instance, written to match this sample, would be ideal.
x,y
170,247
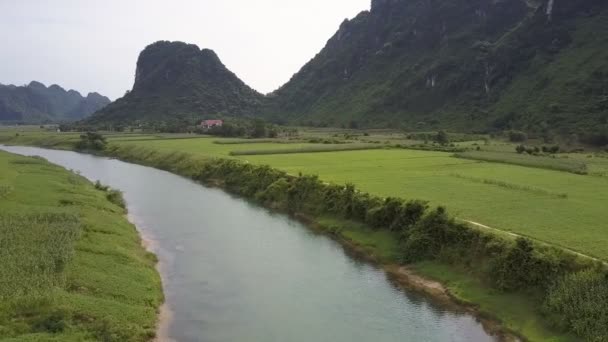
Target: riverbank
x,y
510,313
73,268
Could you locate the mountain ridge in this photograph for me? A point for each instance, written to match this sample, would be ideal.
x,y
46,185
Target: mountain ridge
x,y
36,103
425,64
539,66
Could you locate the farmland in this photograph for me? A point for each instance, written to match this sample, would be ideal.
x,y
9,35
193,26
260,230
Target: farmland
x,y
542,204
553,206
72,266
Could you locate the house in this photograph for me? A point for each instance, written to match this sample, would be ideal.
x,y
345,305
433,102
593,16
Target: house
x,y
206,124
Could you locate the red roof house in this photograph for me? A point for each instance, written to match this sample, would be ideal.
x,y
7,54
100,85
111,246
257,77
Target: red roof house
x,y
212,123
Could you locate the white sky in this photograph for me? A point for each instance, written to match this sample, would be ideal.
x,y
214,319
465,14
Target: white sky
x,y
92,45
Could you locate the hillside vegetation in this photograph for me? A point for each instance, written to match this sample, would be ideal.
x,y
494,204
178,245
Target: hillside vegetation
x,y
175,81
72,266
36,104
538,66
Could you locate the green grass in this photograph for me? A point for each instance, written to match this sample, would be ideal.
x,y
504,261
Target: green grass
x,y
543,162
73,268
308,149
556,207
381,244
518,312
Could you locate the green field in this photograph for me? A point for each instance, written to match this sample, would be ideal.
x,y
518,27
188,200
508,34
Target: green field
x,y
557,207
561,208
73,268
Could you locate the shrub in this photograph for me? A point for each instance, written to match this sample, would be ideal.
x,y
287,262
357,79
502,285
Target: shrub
x,y
91,141
578,302
442,138
115,196
517,136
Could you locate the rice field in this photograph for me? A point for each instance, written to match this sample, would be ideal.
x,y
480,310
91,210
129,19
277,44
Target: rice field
x,y
553,206
557,207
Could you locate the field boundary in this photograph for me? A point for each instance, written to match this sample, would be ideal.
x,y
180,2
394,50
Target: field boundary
x,y
548,244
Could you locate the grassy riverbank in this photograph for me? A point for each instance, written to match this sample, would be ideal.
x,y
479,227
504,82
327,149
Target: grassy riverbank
x,y
73,268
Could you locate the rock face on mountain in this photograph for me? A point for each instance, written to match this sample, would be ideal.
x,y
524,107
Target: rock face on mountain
x,y
536,65
35,103
179,80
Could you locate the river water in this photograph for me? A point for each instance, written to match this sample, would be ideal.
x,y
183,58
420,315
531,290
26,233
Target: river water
x,y
235,272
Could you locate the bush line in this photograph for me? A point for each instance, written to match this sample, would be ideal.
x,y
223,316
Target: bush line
x,y
311,149
549,163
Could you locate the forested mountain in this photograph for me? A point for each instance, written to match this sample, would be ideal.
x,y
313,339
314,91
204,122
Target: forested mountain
x,y
467,65
175,80
35,103
461,64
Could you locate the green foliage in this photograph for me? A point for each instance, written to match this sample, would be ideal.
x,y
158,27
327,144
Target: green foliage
x,y
578,302
310,149
34,250
113,195
550,163
176,83
517,136
442,138
242,127
495,66
91,141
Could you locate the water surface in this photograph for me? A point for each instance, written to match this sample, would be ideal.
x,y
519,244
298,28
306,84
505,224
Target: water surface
x,y
234,272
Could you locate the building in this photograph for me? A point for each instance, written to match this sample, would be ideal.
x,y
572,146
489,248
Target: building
x,y
206,124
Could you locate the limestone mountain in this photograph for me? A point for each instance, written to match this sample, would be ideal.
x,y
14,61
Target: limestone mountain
x,y
177,80
35,103
536,65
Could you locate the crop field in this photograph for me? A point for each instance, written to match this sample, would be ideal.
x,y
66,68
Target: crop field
x,y
553,206
208,147
72,266
561,208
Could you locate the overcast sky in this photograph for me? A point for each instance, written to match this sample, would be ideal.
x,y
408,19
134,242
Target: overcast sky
x,y
93,45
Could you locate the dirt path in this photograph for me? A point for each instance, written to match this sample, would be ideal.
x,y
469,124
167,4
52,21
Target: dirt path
x,y
483,226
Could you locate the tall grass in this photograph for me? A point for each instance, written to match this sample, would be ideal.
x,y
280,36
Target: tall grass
x,y
511,186
558,164
34,250
311,149
256,141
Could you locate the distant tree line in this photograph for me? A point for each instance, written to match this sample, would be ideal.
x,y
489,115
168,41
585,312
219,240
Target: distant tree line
x,y
243,128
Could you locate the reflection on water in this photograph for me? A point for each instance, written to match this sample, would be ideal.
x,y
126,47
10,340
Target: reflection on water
x,y
235,272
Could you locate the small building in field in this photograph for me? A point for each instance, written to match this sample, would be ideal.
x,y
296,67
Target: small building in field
x,y
206,124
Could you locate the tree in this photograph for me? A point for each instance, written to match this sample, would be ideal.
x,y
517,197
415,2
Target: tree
x,y
517,136
442,138
91,141
259,129
520,149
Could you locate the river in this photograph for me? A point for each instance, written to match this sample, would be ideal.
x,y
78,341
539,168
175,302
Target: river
x,y
235,272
